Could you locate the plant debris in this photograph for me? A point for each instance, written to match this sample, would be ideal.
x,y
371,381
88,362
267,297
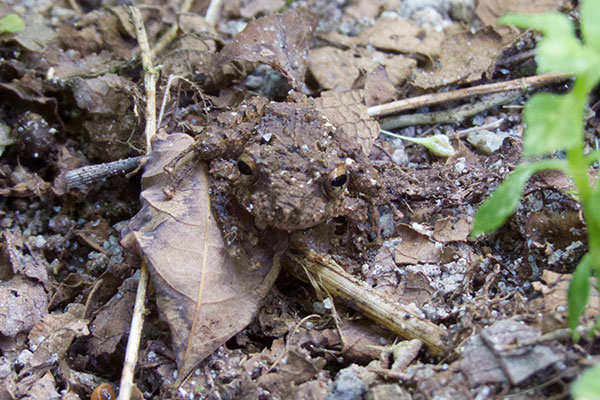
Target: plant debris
x,y
383,296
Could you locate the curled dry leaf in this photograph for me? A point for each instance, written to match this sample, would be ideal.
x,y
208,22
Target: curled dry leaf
x,y
204,296
279,40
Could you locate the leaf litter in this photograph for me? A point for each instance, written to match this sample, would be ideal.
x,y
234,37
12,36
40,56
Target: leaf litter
x,y
75,98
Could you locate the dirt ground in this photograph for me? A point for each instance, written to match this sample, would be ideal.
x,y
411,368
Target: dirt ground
x,y
294,251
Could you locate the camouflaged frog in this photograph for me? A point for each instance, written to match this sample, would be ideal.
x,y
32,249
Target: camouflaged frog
x,y
276,167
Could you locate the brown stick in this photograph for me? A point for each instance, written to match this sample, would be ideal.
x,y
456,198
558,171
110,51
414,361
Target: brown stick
x,y
435,98
393,316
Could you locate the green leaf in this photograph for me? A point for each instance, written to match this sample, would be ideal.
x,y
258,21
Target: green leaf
x,y
592,220
11,23
587,385
555,54
549,24
590,28
549,120
559,51
579,291
592,156
496,209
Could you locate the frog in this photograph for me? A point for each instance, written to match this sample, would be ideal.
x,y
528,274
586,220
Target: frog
x,y
277,168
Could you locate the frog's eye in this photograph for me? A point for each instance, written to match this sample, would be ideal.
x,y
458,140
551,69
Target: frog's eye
x,y
337,180
247,168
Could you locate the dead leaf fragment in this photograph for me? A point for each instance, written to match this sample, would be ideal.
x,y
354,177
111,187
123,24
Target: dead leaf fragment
x,y
553,304
349,64
111,323
22,304
489,11
465,57
451,230
484,361
415,247
52,336
205,296
43,388
401,35
378,87
348,112
279,40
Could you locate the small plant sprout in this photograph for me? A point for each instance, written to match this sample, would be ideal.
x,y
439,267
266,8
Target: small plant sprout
x,y
554,123
11,23
438,145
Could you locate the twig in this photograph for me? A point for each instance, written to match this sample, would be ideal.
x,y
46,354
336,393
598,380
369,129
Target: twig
x,y
75,6
428,99
137,321
452,116
150,77
213,12
95,173
395,317
133,342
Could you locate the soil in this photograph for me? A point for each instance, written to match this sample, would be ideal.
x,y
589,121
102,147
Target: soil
x,y
72,240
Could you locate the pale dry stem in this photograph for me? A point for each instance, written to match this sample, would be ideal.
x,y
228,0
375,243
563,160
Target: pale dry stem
x,y
137,320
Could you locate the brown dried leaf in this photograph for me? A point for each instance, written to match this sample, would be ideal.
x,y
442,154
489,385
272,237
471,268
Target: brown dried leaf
x,y
378,87
22,304
417,289
489,11
40,388
464,58
70,287
111,323
554,288
349,64
13,261
415,247
205,296
279,40
362,340
52,336
348,112
560,229
403,36
451,230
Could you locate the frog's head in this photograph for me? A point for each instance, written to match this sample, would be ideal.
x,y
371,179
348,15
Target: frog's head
x,y
294,178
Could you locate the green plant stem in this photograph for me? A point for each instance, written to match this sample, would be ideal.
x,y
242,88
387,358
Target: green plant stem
x,y
578,167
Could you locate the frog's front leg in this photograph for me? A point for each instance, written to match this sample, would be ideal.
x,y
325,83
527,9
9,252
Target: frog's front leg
x,y
245,243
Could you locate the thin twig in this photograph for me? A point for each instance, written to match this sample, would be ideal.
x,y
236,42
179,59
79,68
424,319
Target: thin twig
x,y
213,12
434,98
452,116
135,334
137,321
